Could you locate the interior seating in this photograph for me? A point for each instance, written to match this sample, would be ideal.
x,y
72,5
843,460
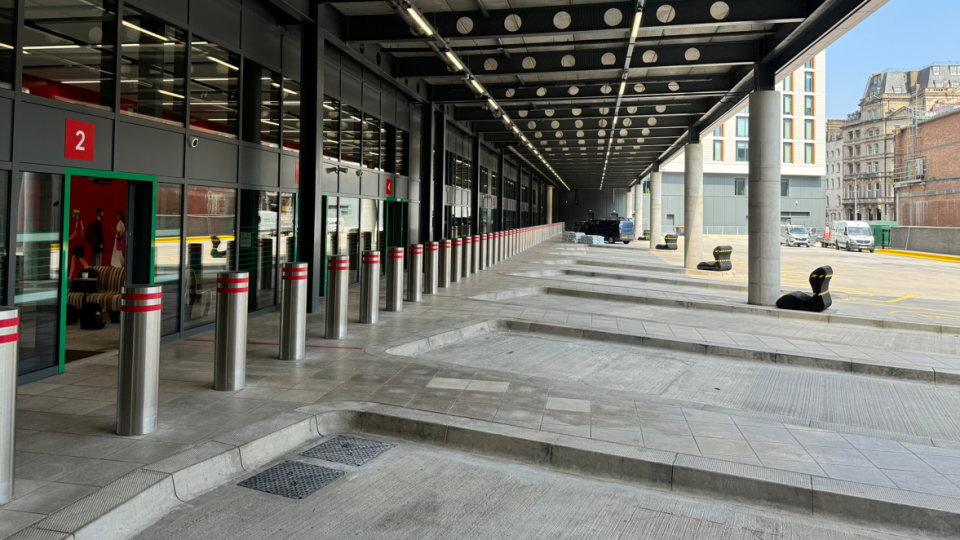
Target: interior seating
x,y
109,283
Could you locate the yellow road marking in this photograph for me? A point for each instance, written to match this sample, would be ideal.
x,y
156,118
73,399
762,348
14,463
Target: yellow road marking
x,y
917,255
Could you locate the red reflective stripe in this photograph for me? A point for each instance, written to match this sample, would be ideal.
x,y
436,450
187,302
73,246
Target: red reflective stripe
x,y
9,338
135,296
233,280
141,309
396,257
293,278
233,291
7,323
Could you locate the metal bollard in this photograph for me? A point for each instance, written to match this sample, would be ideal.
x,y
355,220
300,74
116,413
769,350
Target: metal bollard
x,y
497,242
230,339
335,310
415,274
482,250
446,247
466,263
293,314
9,338
369,287
394,279
431,270
457,257
475,255
138,372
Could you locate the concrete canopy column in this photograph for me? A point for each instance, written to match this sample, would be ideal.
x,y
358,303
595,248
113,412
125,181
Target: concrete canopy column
x,y
638,210
763,198
692,205
655,208
549,205
629,213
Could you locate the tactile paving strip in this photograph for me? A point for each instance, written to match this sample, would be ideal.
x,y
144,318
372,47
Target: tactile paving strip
x,y
292,479
347,450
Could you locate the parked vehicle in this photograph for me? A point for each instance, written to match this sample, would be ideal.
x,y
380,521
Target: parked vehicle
x,y
794,235
852,235
611,229
825,238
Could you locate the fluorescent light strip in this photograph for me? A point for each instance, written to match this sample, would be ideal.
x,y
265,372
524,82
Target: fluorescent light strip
x,y
420,22
5,46
40,47
221,62
476,85
636,27
129,24
493,104
171,94
454,60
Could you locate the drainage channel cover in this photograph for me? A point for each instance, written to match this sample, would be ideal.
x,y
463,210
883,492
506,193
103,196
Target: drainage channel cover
x,y
347,450
292,479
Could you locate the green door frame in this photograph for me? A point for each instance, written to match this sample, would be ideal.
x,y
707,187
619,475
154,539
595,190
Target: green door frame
x,y
65,245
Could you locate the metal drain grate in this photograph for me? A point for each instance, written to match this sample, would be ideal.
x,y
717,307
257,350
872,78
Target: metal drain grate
x,y
292,479
348,450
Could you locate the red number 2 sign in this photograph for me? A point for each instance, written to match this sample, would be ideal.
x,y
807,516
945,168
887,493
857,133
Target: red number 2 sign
x,y
389,186
79,140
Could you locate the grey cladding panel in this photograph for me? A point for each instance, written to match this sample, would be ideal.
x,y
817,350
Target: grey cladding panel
x,y
43,133
351,89
173,9
329,177
291,57
259,167
400,185
261,42
331,80
388,108
6,129
349,183
371,100
403,117
413,225
217,21
213,160
370,184
147,150
288,171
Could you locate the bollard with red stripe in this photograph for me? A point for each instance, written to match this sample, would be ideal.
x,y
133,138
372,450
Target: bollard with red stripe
x,y
293,310
9,336
456,257
475,255
369,287
230,335
466,261
138,372
394,279
431,267
338,281
446,256
482,251
415,273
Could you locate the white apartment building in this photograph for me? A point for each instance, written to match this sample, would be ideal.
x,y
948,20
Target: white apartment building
x,y
726,155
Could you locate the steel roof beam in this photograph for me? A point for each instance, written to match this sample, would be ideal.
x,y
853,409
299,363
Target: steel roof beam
x,y
691,13
569,127
642,111
651,90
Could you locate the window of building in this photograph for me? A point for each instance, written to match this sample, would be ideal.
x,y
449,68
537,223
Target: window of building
x,y
154,69
743,127
897,89
808,156
718,150
8,23
745,110
787,104
809,64
808,82
788,83
261,102
331,128
788,152
291,115
166,256
954,70
788,128
214,81
401,167
936,70
68,51
809,131
954,84
876,80
784,188
719,131
743,151
211,221
351,131
371,142
740,187
808,106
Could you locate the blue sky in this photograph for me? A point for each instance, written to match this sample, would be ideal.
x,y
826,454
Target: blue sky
x,y
902,34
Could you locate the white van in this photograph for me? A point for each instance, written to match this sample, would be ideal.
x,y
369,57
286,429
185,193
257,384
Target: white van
x,y
852,235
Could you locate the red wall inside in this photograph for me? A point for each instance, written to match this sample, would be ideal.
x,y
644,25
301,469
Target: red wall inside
x,y
86,196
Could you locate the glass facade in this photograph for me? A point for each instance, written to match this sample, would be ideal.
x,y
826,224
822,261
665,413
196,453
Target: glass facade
x,y
331,128
8,24
259,236
371,142
166,256
401,162
38,258
211,248
351,132
154,70
291,115
214,85
68,51
261,119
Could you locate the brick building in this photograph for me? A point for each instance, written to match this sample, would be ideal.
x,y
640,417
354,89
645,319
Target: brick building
x,y
928,172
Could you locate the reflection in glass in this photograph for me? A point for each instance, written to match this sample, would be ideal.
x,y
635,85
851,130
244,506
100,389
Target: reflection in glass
x,y
291,115
401,152
371,142
259,213
214,85
8,23
349,234
261,102
167,253
68,48
331,128
154,68
211,222
288,239
37,284
4,209
350,133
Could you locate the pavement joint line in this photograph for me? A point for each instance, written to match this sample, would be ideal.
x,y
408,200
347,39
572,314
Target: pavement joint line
x,y
142,497
277,344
